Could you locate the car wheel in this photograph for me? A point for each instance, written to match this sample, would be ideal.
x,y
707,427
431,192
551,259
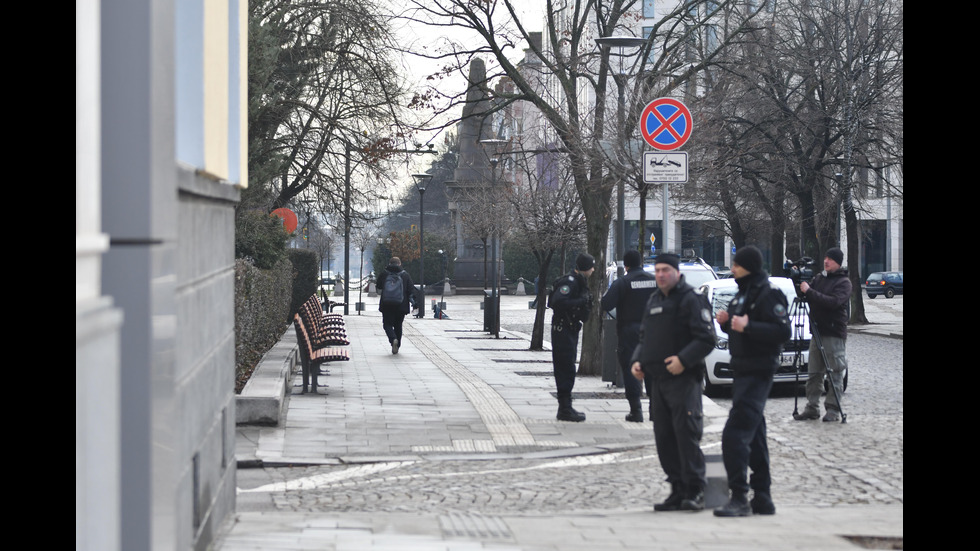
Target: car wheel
x,y
890,293
711,390
871,296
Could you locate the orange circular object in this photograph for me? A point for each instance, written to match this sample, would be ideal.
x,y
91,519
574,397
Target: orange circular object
x,y
289,218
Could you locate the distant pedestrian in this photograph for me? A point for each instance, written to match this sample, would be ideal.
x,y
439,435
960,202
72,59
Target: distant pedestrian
x,y
757,323
829,296
571,301
628,297
397,297
675,336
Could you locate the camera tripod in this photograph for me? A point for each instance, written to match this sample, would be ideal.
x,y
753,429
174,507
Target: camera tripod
x,y
799,314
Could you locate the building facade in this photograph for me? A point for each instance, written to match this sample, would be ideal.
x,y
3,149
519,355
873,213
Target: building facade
x,y
160,154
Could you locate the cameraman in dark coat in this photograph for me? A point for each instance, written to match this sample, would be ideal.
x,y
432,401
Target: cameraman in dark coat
x,y
571,301
628,295
675,336
757,323
829,296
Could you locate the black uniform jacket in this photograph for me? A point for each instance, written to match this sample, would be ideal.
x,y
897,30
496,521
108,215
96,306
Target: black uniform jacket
x,y
680,324
629,295
758,347
570,299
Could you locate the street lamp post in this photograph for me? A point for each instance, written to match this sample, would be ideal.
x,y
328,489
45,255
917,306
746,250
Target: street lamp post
x,y
495,144
620,78
420,182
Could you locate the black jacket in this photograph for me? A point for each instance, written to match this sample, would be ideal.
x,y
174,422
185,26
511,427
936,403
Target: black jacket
x,y
629,295
408,287
570,299
829,297
680,324
758,347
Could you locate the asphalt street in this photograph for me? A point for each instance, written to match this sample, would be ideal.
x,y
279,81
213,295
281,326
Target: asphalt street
x,y
452,444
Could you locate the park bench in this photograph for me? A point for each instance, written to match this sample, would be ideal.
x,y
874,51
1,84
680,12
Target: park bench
x,y
312,358
323,329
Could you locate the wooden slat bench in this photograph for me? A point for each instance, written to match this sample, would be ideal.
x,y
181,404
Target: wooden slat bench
x,y
312,358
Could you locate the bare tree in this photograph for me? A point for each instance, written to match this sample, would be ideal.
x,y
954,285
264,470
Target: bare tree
x,y
547,217
568,84
321,83
811,101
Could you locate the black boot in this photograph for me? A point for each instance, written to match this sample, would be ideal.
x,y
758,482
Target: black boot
x,y
762,504
693,502
566,412
737,506
636,412
673,501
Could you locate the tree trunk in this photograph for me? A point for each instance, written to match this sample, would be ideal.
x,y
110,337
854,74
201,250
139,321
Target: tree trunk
x,y
541,296
853,228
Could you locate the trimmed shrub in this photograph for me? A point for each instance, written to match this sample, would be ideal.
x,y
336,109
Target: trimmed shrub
x,y
262,302
260,237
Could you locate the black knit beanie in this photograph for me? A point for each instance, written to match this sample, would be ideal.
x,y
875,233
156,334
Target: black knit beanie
x,y
836,255
584,262
668,258
631,259
749,258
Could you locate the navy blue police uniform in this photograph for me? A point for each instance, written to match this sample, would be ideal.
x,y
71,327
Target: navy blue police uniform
x,y
755,358
571,301
628,295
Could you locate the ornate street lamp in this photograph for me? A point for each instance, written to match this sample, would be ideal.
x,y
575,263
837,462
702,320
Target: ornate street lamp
x,y
420,182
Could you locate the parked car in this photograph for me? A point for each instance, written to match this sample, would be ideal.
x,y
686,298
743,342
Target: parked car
x,y
884,283
718,374
696,271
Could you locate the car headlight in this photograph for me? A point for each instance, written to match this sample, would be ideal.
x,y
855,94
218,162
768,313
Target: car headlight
x,y
721,343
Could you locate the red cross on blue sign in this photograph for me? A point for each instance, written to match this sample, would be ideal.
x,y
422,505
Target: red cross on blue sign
x,y
666,124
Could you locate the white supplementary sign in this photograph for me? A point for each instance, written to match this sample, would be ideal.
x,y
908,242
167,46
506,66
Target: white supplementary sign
x,y
660,167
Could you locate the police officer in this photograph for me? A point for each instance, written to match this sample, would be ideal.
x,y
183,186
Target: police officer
x,y
628,295
676,335
757,324
571,301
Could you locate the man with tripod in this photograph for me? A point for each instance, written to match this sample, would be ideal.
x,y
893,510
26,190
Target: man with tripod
x,y
829,297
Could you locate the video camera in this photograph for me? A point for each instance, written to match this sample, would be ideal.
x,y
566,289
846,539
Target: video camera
x,y
799,271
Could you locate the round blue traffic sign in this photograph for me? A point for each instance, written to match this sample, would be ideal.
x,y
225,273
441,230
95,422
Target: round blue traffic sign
x,y
666,124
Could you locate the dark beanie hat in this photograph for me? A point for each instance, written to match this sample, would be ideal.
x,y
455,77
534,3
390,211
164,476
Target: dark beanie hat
x,y
631,259
668,258
584,262
749,258
836,255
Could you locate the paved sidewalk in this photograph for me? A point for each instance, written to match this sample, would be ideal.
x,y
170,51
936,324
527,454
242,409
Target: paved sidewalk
x,y
455,393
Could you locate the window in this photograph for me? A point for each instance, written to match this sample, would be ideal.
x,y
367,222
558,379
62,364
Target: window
x,y
649,9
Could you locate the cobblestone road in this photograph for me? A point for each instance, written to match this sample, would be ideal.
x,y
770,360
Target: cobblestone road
x,y
814,463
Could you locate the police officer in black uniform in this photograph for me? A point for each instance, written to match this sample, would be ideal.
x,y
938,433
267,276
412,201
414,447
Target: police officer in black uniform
x,y
676,335
571,301
757,324
628,295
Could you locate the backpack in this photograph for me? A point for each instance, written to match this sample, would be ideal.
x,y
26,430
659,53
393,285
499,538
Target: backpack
x,y
393,293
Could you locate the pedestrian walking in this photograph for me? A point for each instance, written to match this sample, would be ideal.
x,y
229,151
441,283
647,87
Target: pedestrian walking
x,y
676,334
829,296
757,323
628,296
571,301
397,297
